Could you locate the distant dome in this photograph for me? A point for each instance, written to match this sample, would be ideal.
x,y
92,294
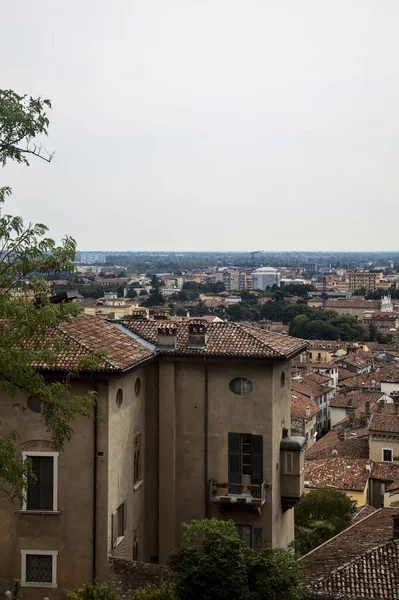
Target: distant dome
x,y
266,270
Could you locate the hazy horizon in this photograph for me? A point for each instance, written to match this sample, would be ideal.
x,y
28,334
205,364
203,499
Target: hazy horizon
x,y
216,124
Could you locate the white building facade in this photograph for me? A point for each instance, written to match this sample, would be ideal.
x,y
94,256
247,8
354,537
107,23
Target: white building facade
x,y
265,277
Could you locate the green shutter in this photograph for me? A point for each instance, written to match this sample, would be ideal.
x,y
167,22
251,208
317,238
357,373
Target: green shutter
x,y
257,460
234,458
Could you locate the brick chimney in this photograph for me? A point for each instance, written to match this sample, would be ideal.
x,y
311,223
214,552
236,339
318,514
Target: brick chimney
x,y
395,519
367,407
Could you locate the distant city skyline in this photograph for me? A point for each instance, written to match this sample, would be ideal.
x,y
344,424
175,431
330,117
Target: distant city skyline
x,y
195,125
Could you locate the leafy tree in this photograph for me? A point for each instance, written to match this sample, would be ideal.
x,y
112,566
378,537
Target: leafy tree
x,y
165,591
131,293
319,515
28,254
210,562
91,591
22,119
214,563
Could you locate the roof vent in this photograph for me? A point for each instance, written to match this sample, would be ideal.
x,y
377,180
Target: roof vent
x,y
167,336
197,334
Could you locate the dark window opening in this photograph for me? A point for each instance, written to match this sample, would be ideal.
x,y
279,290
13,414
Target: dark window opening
x,y
245,458
137,459
40,493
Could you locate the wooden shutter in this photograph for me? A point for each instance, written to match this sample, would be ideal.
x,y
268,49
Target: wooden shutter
x,y
258,537
257,460
234,458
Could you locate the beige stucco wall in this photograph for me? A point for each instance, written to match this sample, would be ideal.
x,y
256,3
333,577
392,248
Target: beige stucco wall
x,y
183,491
124,424
376,447
337,414
70,531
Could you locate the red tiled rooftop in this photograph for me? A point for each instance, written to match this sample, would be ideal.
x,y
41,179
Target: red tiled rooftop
x,y
341,473
225,339
375,529
349,443
85,335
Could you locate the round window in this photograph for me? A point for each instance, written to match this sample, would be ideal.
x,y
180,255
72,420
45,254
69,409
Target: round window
x,y
241,386
119,397
137,386
35,404
282,379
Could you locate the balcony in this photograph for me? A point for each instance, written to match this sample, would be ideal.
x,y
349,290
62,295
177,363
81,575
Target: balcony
x,y
253,496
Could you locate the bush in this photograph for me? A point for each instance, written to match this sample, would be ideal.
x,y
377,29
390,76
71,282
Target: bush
x,y
92,592
165,591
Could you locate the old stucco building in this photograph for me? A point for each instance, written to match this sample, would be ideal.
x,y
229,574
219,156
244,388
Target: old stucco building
x,y
195,423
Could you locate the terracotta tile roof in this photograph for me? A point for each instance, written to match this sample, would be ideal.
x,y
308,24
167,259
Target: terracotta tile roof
x,y
389,374
308,387
341,473
373,575
386,421
302,407
360,362
393,487
349,443
86,334
385,471
375,529
318,378
354,398
343,374
362,512
225,339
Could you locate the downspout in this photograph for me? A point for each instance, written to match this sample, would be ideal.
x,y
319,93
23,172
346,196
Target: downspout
x,y
94,516
206,412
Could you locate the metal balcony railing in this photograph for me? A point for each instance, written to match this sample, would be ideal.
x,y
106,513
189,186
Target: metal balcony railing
x,y
239,493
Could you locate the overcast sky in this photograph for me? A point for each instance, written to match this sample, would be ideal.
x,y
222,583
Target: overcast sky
x,y
210,124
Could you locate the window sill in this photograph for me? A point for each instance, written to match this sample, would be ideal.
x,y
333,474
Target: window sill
x,y
39,512
38,584
138,484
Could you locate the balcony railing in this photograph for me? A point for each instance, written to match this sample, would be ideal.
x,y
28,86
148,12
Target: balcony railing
x,y
238,493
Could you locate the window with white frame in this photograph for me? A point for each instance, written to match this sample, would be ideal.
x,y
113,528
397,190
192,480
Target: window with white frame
x,y
41,493
39,568
387,454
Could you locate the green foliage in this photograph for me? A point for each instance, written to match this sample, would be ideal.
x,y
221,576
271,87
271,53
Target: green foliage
x,y
27,253
22,118
319,515
274,574
16,592
165,591
214,563
92,591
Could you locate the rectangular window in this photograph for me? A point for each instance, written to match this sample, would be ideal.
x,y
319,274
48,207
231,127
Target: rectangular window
x,y
252,536
245,458
118,523
39,568
387,455
137,459
288,463
42,490
245,533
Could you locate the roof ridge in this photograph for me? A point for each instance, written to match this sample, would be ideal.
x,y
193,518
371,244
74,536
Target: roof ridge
x,y
341,532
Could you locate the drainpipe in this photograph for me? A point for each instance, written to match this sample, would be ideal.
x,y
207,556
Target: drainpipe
x,y
206,410
94,516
